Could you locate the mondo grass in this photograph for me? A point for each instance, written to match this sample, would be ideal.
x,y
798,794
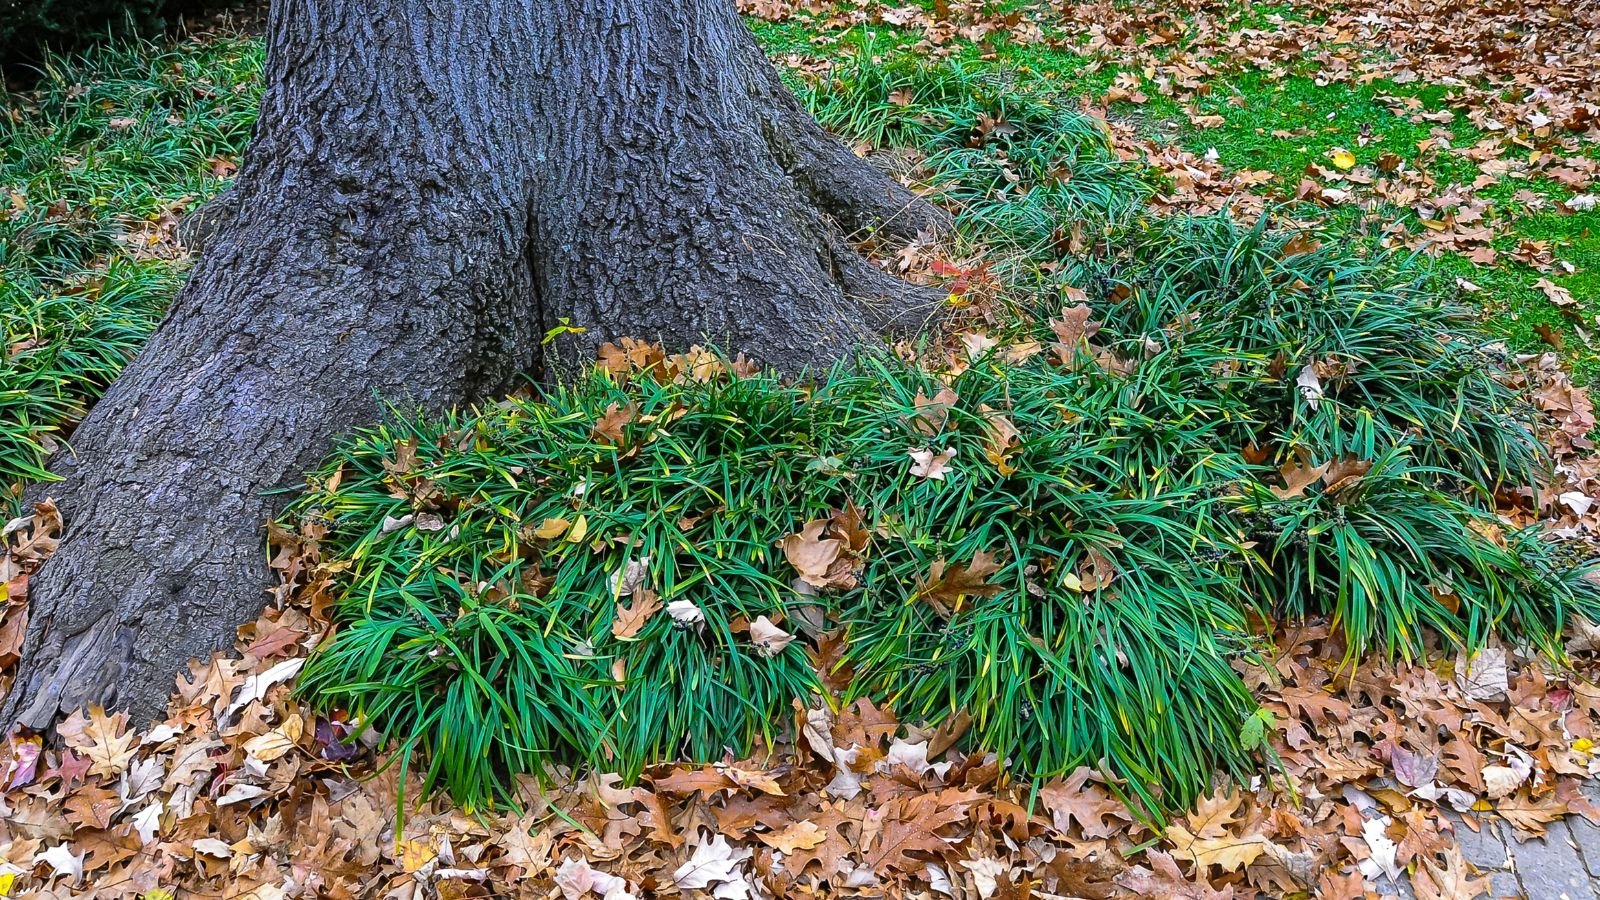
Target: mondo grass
x,y
91,159
1312,347
517,529
1013,157
1390,556
1378,404
1063,538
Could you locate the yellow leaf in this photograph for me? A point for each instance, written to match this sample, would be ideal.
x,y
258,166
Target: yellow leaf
x,y
552,528
414,855
798,836
1229,853
270,746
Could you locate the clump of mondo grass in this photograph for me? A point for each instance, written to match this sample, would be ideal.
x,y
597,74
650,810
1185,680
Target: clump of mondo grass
x,y
1064,536
1372,413
490,557
1013,158
895,98
496,559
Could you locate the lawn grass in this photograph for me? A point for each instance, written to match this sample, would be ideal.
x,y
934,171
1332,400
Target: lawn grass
x,y
1282,126
1313,119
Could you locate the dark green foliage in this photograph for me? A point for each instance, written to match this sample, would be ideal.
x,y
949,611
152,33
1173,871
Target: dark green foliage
x,y
1228,317
446,626
1017,160
1056,672
1255,306
1391,555
1115,551
90,160
500,631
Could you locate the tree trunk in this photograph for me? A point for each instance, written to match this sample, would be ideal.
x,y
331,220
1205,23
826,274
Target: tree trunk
x,y
433,188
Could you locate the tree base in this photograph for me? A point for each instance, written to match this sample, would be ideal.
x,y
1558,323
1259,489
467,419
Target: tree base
x,y
423,224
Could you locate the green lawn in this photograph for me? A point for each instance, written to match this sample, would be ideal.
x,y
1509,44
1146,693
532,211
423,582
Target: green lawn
x,y
1283,126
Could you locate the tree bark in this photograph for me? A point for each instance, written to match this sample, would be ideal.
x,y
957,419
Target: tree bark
x,y
433,188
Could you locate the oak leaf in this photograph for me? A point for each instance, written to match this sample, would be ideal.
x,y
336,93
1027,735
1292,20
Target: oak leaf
x,y
815,556
610,427
804,835
631,619
105,741
1165,880
947,584
909,833
1097,813
932,413
1227,852
1073,331
1451,881
931,464
1297,476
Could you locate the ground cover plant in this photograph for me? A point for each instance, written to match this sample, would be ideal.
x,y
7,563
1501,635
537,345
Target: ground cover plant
x,y
95,166
1065,547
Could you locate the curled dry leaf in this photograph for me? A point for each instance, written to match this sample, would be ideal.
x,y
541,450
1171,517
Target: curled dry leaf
x,y
714,862
827,553
1557,294
926,463
1310,385
685,613
629,578
1002,439
1483,675
768,637
1345,473
1096,571
609,428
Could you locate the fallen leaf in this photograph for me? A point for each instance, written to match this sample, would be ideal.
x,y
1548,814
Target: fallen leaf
x,y
946,584
929,464
631,619
769,638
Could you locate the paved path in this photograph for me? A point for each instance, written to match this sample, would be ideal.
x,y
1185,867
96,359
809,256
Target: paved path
x,y
1563,865
1559,866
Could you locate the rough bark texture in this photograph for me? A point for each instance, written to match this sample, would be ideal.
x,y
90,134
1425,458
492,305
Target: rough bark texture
x,y
432,188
